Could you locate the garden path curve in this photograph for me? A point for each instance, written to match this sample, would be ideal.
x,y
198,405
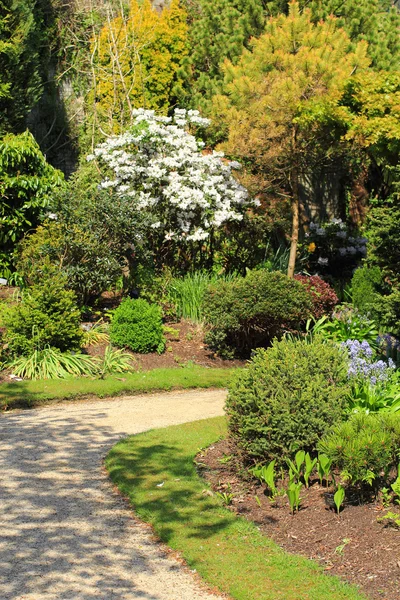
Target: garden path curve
x,y
64,533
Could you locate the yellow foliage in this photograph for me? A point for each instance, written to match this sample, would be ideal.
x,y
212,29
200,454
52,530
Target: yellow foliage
x,y
137,62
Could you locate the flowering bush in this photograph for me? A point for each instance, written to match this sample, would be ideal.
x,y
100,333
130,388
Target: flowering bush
x,y
185,192
333,250
362,364
323,297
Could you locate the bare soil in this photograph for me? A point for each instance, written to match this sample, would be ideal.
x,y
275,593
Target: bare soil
x,y
354,545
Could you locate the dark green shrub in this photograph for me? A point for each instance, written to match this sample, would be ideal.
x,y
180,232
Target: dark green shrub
x,y
47,315
364,285
286,399
137,325
365,447
250,311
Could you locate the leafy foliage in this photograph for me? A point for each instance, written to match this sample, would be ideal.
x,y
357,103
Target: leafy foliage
x,y
47,315
287,397
365,447
364,285
323,297
137,325
26,182
90,240
51,363
250,311
348,324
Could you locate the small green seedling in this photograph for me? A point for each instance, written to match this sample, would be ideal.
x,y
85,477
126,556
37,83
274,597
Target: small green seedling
x,y
396,486
293,494
339,497
297,465
266,474
257,499
386,497
391,519
324,468
339,549
225,459
308,469
225,497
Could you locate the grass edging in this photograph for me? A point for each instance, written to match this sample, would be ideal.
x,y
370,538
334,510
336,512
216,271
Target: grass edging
x,y
27,394
227,551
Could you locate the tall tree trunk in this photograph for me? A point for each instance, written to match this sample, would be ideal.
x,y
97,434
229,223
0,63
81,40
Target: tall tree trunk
x,y
295,222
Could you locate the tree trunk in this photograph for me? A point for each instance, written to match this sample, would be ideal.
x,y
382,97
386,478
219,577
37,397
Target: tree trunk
x,y
295,222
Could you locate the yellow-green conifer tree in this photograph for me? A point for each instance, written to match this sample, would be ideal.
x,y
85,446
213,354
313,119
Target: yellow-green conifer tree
x,y
136,63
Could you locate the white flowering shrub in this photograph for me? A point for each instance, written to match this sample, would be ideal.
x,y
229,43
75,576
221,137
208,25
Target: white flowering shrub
x,y
164,170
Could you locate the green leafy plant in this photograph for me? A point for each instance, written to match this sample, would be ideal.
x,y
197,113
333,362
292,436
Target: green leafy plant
x,y
339,497
266,474
386,497
296,467
137,325
225,497
250,311
308,467
324,465
114,361
96,334
286,399
347,324
384,396
396,486
51,363
391,519
340,549
293,494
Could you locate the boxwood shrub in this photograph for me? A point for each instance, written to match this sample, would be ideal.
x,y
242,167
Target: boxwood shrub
x,y
286,399
248,312
137,325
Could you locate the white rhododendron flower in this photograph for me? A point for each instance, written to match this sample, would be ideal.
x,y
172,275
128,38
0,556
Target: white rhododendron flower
x,y
161,167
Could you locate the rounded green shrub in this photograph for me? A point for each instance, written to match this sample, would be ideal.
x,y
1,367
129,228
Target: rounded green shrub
x,y
365,447
286,399
137,325
248,312
364,285
47,315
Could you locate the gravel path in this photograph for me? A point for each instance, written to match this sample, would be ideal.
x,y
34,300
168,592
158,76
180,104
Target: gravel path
x,y
64,534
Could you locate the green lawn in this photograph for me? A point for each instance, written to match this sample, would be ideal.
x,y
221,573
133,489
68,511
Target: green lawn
x,y
33,393
228,552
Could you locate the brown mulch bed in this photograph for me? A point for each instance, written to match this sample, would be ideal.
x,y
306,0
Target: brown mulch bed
x,y
185,346
353,545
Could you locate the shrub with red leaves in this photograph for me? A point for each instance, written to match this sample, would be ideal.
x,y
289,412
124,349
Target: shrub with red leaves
x,y
323,296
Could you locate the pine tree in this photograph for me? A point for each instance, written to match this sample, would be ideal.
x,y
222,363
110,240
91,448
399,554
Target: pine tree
x,y
219,30
376,21
282,101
